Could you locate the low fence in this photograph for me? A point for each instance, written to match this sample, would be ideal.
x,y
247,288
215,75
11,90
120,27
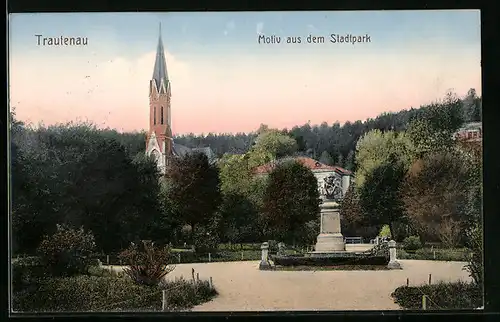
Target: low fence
x,y
187,256
358,247
439,254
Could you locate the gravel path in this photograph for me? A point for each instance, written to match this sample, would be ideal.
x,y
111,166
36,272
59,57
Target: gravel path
x,y
242,287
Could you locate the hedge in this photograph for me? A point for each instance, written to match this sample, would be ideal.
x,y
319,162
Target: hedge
x,y
329,261
441,296
107,293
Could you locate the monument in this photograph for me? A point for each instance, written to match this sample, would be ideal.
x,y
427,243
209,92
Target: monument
x,y
330,239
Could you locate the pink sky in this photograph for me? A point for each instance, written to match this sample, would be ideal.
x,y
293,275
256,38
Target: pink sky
x,y
214,95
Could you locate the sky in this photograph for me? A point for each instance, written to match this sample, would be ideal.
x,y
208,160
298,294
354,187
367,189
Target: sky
x,y
225,81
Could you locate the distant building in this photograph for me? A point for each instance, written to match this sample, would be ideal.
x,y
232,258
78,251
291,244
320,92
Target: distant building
x,y
319,169
470,132
159,141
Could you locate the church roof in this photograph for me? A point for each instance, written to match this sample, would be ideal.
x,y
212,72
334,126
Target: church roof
x,y
182,150
160,69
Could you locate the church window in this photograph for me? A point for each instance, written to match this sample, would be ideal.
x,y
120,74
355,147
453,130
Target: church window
x,y
154,115
161,115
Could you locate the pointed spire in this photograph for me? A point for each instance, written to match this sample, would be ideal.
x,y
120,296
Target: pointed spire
x,y
160,68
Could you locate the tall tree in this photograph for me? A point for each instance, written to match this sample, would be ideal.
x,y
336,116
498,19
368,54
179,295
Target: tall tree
x,y
435,195
380,197
433,128
271,145
74,174
241,199
376,148
290,201
194,189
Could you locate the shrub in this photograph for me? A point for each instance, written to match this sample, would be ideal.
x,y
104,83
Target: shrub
x,y
182,294
381,250
67,252
25,271
457,295
147,264
206,240
475,244
450,232
100,294
273,245
412,243
385,231
82,293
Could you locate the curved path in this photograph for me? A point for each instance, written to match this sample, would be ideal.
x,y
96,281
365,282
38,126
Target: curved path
x,y
242,287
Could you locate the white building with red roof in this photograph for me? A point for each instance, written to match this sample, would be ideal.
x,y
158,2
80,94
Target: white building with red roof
x,y
320,170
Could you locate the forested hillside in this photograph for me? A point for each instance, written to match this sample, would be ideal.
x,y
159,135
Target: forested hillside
x,y
332,143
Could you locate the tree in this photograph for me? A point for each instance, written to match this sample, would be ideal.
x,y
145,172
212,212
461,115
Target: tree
x,y
353,221
271,145
76,175
380,197
435,195
235,173
238,218
432,130
377,148
194,189
349,161
472,107
242,199
326,158
290,200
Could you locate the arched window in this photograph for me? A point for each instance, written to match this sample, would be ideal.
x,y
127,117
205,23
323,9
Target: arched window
x,y
161,115
154,115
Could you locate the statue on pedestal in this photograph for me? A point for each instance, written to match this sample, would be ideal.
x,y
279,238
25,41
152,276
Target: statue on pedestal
x,y
330,238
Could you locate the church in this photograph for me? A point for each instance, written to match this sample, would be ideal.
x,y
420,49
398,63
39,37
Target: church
x,y
159,141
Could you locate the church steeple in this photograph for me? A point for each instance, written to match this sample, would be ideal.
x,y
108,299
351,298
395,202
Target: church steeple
x,y
159,140
160,74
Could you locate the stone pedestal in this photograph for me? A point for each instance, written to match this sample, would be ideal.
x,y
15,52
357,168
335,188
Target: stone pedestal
x,y
330,238
264,262
393,261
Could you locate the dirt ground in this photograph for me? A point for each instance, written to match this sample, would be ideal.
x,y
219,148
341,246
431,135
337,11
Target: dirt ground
x,y
243,287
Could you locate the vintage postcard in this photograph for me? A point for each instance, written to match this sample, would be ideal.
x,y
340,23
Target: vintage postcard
x,y
245,161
